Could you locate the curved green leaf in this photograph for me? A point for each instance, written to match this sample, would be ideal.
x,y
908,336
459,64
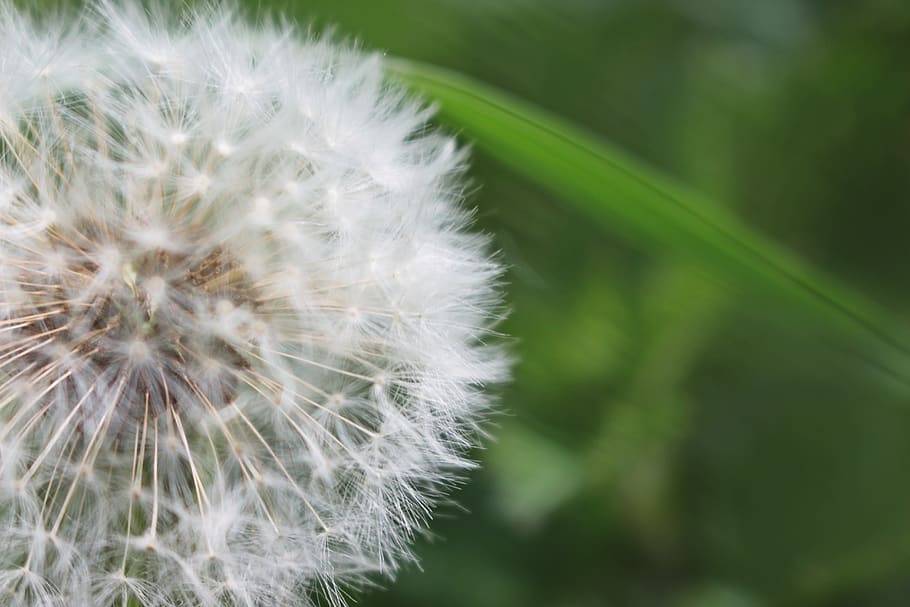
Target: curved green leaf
x,y
636,201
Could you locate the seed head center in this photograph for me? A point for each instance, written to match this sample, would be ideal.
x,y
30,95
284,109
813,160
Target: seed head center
x,y
135,322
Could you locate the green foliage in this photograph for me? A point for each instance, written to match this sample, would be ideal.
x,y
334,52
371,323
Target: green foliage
x,y
636,202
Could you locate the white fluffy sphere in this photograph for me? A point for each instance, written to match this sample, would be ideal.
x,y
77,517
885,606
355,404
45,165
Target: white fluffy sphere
x,y
242,325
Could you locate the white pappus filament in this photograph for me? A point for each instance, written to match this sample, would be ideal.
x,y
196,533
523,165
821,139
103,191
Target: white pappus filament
x,y
243,328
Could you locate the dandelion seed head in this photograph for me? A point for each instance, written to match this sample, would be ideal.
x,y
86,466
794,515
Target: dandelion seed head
x,y
243,325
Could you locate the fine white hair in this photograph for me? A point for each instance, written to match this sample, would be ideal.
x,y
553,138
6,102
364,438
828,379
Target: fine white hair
x,y
244,331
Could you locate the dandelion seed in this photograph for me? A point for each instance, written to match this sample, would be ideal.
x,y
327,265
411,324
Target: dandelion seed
x,y
242,323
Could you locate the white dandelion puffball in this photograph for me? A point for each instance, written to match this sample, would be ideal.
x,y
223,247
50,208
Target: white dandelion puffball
x,y
243,328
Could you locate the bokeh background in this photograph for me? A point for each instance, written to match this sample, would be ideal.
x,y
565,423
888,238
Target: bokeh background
x,y
671,439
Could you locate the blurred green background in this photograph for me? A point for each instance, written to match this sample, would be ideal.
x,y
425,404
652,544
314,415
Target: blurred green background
x,y
671,439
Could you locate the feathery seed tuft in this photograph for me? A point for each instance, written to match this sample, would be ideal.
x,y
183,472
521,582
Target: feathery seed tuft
x,y
242,324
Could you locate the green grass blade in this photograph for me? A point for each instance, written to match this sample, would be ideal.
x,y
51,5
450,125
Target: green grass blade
x,y
636,201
